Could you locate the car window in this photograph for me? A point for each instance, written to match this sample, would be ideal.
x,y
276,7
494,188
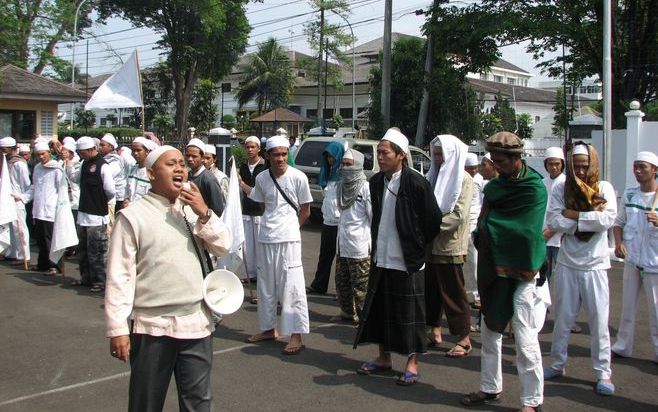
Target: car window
x,y
421,162
310,153
368,154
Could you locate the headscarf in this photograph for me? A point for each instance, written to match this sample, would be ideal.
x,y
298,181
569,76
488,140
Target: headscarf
x,y
336,150
447,180
579,195
353,180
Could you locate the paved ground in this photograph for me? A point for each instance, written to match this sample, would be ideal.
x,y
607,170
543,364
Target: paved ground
x,y
54,358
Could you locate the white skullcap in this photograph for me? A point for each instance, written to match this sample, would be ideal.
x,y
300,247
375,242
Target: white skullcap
x,y
68,139
648,157
155,155
41,146
85,142
210,149
148,144
554,152
263,139
40,139
580,149
252,139
198,143
97,141
23,148
487,156
471,160
276,141
281,131
7,142
348,154
393,135
109,137
69,146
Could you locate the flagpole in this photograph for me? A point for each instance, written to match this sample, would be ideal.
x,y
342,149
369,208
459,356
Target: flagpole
x,y
141,91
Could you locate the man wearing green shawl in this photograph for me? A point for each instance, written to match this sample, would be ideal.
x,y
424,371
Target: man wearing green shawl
x,y
511,250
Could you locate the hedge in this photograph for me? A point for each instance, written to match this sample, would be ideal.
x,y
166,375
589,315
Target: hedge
x,y
124,135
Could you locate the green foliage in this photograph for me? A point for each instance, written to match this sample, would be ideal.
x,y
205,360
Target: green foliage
x,y
490,124
505,113
563,114
228,121
240,155
203,113
163,124
651,111
84,118
201,39
157,89
336,121
524,126
268,77
124,135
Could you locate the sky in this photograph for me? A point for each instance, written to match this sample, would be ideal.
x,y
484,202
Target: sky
x,y
112,43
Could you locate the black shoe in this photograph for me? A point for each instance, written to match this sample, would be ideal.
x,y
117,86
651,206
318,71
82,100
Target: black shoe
x,y
480,398
312,291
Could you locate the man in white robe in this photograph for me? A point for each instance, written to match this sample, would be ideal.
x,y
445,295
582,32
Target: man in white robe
x,y
19,176
280,270
470,265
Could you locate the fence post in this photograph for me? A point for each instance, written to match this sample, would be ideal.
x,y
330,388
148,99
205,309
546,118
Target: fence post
x,y
633,131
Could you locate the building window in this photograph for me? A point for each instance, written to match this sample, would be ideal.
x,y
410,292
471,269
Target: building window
x,y
498,79
295,109
483,76
346,112
537,119
311,113
47,124
511,81
19,124
301,73
328,113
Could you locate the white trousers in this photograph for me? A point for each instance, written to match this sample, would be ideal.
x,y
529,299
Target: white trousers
x,y
471,271
19,237
589,287
528,352
633,281
251,229
281,279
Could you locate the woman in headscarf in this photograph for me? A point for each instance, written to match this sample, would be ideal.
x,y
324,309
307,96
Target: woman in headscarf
x,y
329,180
353,257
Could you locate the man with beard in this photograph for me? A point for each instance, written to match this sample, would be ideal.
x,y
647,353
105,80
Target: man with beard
x,y
583,208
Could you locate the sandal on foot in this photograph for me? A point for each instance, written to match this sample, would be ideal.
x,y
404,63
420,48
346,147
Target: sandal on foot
x,y
459,351
534,408
96,289
480,398
293,351
260,337
407,379
432,342
576,329
368,368
51,272
79,283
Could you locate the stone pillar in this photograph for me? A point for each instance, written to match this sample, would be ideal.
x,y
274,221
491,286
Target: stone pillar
x,y
633,130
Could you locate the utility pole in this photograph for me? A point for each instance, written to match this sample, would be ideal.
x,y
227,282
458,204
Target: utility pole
x,y
320,45
386,65
326,73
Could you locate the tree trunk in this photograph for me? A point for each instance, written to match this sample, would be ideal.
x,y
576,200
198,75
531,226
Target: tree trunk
x,y
184,84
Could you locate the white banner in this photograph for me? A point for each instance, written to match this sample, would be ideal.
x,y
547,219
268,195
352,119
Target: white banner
x,y
123,89
232,216
64,233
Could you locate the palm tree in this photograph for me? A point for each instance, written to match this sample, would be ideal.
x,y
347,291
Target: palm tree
x,y
268,77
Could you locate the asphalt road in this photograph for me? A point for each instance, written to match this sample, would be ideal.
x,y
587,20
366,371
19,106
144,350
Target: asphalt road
x,y
54,357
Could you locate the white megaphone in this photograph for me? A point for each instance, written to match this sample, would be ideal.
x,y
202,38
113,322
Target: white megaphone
x,y
223,292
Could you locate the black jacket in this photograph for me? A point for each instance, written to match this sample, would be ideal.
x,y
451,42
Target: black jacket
x,y
417,215
210,191
249,207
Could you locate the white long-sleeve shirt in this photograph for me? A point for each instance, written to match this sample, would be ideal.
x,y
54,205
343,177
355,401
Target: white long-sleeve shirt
x,y
330,210
354,239
43,192
556,239
19,176
639,236
576,254
115,164
389,248
86,219
476,201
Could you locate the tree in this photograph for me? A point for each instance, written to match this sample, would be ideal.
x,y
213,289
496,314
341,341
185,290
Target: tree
x,y
157,91
504,112
31,30
578,25
84,118
201,39
524,126
563,114
203,113
61,71
491,124
163,124
268,77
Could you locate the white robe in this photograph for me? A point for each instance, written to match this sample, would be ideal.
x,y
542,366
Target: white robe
x,y
19,235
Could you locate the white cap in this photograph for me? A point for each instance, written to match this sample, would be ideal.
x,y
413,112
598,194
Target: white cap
x,y
394,135
276,141
109,137
281,131
148,144
40,139
348,154
487,156
69,146
580,149
252,139
554,152
263,139
23,148
471,160
68,139
194,142
7,142
41,146
155,155
210,149
85,142
648,157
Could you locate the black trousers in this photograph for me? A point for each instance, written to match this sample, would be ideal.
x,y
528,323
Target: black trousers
x,y
43,232
152,361
326,258
445,293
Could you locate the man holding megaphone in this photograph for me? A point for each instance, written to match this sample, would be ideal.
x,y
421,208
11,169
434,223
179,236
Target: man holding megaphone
x,y
154,309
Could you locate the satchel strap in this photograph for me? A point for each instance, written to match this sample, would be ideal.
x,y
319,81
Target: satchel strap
x,y
295,208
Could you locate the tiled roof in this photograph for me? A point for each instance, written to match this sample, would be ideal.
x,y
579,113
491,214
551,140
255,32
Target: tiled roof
x,y
281,115
19,83
522,94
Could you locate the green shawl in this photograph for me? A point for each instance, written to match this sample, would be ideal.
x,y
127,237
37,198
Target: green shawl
x,y
511,247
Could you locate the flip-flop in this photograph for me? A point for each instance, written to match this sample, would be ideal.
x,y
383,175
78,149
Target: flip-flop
x,y
368,368
433,343
260,338
407,379
455,352
293,351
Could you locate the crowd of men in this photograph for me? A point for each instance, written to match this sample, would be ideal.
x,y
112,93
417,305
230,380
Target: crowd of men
x,y
488,234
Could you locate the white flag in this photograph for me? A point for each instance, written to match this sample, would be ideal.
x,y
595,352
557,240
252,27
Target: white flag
x,y
232,216
123,89
8,205
64,233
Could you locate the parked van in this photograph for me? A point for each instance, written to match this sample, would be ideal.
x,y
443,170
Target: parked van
x,y
309,158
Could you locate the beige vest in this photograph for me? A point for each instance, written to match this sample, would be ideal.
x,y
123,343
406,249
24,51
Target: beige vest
x,y
169,279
